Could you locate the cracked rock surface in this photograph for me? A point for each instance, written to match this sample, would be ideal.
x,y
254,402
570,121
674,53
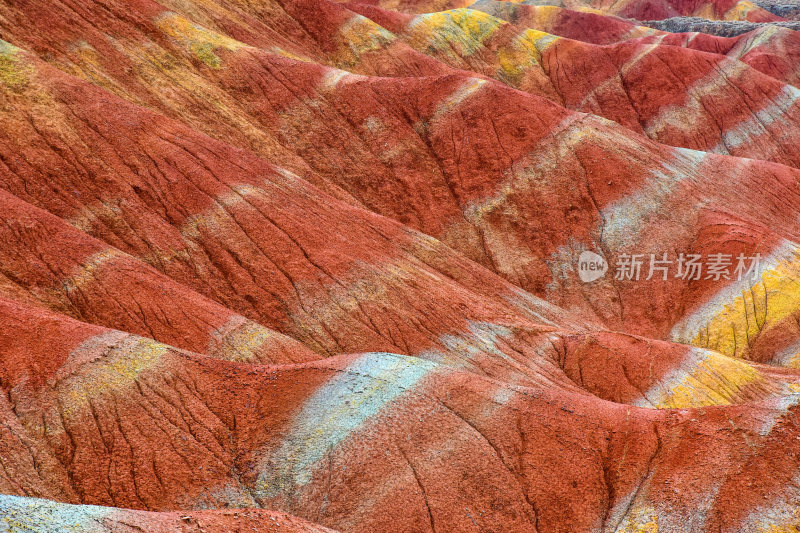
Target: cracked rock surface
x,y
309,266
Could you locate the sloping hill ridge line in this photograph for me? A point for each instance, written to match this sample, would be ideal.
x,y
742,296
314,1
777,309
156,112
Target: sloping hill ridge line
x,y
311,266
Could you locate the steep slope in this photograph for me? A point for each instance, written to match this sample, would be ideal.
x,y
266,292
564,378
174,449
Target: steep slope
x,y
226,223
345,441
676,96
157,58
580,24
641,10
709,9
704,103
45,261
733,108
770,49
463,197
773,50
27,514
295,265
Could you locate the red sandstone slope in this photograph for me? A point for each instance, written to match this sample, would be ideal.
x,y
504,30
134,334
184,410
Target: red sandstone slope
x,y
704,101
772,50
226,223
160,230
45,261
461,206
639,10
155,57
583,25
344,441
466,212
42,515
662,9
676,96
733,109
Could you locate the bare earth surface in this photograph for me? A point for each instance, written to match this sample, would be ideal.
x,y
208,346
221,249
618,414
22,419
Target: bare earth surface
x,y
311,266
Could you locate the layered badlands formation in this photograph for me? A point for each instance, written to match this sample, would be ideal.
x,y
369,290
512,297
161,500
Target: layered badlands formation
x,y
305,266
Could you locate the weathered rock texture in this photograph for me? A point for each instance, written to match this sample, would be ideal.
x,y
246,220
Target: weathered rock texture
x,y
298,265
714,27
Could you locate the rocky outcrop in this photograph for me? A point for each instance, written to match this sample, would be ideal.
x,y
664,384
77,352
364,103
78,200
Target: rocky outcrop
x,y
713,27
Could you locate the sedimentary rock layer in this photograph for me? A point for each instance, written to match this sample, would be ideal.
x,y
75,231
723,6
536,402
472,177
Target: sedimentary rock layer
x,y
297,265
